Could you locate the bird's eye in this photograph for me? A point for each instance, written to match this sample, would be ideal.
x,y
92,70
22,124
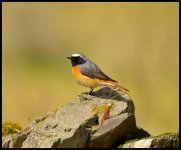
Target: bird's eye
x,y
78,58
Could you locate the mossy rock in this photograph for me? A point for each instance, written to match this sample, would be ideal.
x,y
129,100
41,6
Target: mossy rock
x,y
10,128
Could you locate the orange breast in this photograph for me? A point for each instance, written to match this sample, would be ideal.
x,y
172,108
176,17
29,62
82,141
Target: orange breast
x,y
84,80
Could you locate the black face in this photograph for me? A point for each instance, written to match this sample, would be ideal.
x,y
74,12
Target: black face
x,y
76,60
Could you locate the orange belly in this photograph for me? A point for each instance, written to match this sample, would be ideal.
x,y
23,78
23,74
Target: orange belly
x,y
90,82
84,80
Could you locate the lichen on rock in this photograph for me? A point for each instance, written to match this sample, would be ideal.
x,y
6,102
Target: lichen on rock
x,y
9,127
167,140
104,119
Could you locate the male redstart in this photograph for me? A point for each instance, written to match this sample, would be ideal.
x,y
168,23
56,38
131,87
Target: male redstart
x,y
89,74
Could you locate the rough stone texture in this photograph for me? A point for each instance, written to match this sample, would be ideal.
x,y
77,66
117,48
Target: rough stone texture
x,y
139,133
76,125
114,129
169,140
79,125
16,140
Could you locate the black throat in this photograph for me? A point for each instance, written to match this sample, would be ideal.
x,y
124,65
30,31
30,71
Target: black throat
x,y
77,61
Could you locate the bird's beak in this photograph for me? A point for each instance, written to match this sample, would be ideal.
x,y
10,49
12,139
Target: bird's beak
x,y
69,58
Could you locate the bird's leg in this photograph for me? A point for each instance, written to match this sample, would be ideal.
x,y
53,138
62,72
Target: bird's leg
x,y
91,89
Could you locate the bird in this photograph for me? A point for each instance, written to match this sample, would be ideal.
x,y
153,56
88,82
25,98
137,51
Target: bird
x,y
88,74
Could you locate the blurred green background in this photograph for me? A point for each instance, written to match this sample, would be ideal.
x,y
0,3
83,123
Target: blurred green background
x,y
136,44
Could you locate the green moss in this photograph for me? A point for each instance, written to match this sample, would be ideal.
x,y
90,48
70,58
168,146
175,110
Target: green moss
x,y
99,109
10,128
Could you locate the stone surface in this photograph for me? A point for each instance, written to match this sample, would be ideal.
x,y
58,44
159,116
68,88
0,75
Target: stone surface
x,y
169,140
76,125
113,131
16,140
85,123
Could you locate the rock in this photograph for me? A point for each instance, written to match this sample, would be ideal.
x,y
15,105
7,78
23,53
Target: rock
x,y
169,140
113,131
16,140
77,124
139,133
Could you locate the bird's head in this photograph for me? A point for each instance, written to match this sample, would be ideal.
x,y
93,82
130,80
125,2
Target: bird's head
x,y
77,59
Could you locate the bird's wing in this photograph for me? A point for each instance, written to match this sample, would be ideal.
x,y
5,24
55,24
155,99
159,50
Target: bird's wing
x,y
93,71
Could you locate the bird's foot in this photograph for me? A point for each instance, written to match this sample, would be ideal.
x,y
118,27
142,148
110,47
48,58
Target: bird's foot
x,y
90,92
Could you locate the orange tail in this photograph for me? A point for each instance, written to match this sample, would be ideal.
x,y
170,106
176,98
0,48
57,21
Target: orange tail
x,y
115,85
